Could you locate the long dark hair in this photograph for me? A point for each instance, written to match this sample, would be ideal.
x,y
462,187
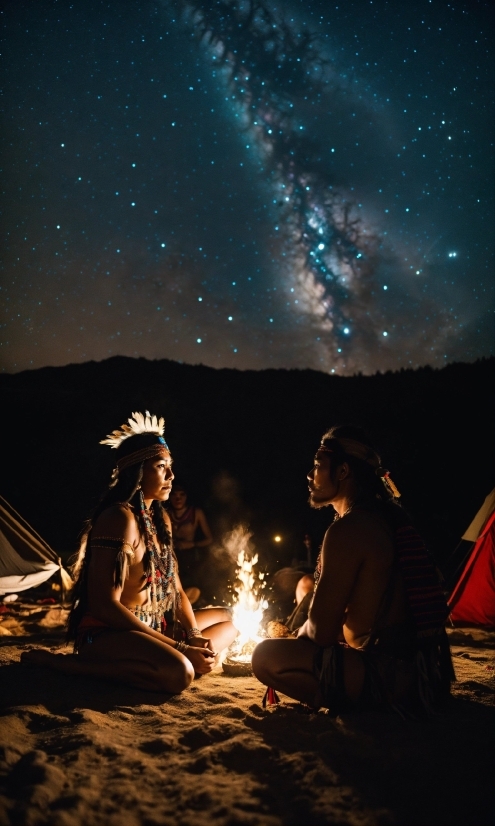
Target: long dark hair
x,y
122,490
372,492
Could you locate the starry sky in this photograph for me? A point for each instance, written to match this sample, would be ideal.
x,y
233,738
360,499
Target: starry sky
x,y
248,184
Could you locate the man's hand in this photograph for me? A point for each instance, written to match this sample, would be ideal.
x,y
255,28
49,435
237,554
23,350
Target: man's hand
x,y
202,659
183,544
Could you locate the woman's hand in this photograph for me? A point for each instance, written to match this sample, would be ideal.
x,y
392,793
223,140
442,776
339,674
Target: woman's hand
x,y
200,642
202,659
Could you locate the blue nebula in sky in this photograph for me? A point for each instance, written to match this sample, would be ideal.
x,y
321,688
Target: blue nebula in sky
x,y
224,183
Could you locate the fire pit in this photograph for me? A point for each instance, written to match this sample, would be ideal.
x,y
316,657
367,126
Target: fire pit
x,y
239,665
246,616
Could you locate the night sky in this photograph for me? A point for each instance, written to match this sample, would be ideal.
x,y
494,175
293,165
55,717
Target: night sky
x,y
296,184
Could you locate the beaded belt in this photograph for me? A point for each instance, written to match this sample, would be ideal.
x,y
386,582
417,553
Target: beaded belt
x,y
153,617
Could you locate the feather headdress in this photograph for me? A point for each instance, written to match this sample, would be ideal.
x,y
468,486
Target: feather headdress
x,y
137,424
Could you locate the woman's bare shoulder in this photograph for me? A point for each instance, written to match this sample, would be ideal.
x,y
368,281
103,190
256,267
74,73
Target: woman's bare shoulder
x,y
116,521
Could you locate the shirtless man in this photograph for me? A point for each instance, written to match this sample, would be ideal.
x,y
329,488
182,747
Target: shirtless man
x,y
128,583
192,551
362,642
186,520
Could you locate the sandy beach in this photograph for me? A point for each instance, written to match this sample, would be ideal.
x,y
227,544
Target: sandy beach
x,y
77,752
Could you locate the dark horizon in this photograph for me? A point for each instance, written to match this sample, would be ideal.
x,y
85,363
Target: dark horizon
x,y
244,441
216,368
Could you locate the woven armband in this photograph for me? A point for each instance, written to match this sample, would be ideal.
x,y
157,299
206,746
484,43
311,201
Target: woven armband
x,y
125,555
108,543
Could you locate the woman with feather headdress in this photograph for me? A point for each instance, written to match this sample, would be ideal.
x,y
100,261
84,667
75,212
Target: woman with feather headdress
x,y
131,620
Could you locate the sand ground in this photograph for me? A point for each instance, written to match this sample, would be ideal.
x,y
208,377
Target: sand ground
x,y
78,752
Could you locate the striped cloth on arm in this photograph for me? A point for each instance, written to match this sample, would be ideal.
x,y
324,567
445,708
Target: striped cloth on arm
x,y
424,593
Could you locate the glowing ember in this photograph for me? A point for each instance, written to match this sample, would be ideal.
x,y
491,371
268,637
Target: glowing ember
x,y
248,609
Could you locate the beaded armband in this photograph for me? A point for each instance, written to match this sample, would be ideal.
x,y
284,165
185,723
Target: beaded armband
x,y
109,543
181,646
193,632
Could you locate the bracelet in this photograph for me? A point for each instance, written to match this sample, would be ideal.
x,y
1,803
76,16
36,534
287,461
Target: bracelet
x,y
193,632
181,646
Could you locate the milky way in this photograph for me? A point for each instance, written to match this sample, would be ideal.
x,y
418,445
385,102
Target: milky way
x,y
250,185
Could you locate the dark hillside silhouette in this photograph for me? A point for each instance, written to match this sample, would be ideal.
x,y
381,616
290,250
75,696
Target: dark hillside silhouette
x,y
245,440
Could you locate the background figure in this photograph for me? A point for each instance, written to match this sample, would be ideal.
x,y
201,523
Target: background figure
x,y
304,560
291,590
308,544
192,537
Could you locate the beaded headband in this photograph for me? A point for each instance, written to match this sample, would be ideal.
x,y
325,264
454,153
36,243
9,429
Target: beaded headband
x,y
141,455
368,455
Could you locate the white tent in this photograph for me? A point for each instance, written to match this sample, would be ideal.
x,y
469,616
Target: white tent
x,y
26,560
479,521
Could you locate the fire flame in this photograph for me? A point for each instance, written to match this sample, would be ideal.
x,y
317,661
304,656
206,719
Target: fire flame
x,y
248,608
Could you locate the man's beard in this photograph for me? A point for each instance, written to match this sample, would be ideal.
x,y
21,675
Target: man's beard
x,y
317,505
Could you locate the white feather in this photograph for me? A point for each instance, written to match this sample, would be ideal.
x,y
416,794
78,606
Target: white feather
x,y
137,424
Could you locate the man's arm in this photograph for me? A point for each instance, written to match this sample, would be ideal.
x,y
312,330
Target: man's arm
x,y
205,528
341,560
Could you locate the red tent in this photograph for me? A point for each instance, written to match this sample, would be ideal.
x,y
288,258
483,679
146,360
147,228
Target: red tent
x,y
472,601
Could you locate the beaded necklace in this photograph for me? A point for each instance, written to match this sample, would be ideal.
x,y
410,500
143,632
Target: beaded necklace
x,y
161,575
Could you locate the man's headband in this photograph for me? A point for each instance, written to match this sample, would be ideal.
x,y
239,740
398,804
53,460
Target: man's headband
x,y
357,449
352,447
139,425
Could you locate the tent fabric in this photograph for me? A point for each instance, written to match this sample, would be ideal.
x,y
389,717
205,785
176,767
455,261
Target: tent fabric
x,y
26,560
476,526
473,599
16,584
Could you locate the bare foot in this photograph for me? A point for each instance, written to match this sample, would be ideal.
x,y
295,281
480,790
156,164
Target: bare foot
x,y
36,656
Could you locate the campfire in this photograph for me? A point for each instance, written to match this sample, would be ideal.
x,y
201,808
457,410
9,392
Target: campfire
x,y
246,615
